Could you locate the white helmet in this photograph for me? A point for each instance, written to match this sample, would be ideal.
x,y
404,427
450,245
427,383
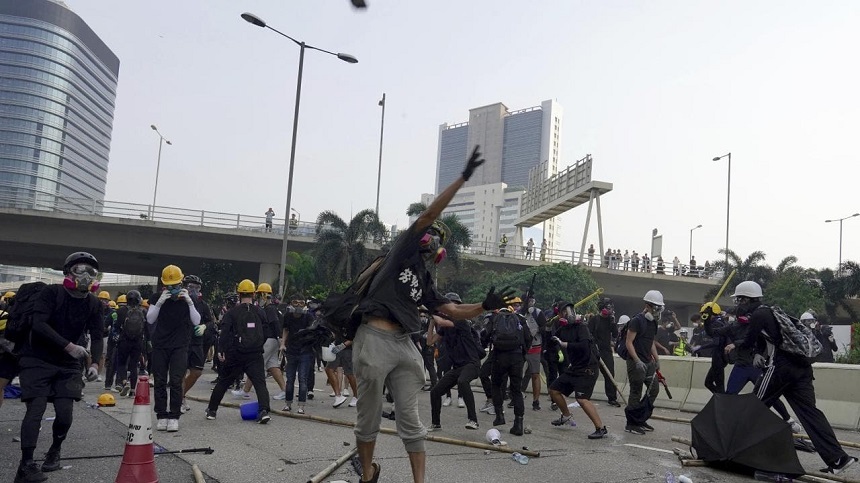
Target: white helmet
x,y
807,316
623,320
494,436
748,289
654,297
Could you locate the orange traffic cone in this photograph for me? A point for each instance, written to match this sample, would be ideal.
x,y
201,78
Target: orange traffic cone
x,y
138,462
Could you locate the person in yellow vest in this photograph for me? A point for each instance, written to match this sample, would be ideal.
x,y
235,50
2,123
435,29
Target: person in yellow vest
x,y
682,348
503,244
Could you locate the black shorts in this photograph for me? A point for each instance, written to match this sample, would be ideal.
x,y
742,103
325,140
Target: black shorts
x,y
195,357
581,384
41,379
8,366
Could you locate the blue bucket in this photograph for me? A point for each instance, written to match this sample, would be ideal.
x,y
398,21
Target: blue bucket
x,y
249,410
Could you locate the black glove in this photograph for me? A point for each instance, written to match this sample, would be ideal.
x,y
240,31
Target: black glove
x,y
472,163
496,300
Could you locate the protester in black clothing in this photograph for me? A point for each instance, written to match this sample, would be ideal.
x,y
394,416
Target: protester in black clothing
x,y
196,355
464,349
712,320
50,364
428,352
604,330
240,350
130,341
643,360
824,334
508,361
534,355
172,317
299,354
788,375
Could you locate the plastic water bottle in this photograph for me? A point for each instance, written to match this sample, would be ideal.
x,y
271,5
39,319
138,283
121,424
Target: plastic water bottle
x,y
520,458
670,477
766,476
684,479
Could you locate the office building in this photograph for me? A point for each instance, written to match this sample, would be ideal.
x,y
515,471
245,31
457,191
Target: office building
x,y
58,84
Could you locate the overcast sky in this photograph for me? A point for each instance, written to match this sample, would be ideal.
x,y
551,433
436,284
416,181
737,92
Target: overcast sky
x,y
652,90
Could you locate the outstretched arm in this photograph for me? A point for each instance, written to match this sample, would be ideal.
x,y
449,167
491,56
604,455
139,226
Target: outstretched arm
x,y
435,209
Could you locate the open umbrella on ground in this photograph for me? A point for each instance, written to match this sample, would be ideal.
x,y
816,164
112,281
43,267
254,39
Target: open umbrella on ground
x,y
741,430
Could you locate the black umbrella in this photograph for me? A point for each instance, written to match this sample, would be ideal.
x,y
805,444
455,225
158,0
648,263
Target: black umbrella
x,y
741,430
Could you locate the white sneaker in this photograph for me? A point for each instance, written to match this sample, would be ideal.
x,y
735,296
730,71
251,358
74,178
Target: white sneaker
x,y
446,402
161,425
354,402
332,394
461,403
280,396
796,428
100,379
240,394
345,393
172,425
338,401
185,407
487,405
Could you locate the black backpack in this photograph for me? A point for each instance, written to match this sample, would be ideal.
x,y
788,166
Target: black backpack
x,y
20,321
135,321
249,329
339,309
508,332
621,342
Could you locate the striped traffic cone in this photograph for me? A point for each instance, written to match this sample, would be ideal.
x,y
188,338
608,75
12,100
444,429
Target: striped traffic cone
x,y
138,462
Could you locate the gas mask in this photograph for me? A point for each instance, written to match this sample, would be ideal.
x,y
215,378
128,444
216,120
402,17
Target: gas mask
x,y
654,312
431,247
297,308
173,290
606,312
567,315
193,290
82,278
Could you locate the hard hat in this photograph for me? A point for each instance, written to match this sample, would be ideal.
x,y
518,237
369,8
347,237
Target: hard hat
x,y
623,319
442,229
516,300
112,304
171,275
654,297
107,400
8,295
79,257
748,289
807,316
122,299
246,286
494,436
264,288
192,279
144,303
104,295
454,297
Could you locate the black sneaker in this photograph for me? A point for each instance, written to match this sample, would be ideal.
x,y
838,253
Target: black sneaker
x,y
52,461
310,396
263,417
598,433
615,404
29,473
634,429
553,407
838,467
646,427
210,415
535,405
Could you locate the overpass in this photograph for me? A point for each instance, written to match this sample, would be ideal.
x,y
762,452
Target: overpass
x,y
138,240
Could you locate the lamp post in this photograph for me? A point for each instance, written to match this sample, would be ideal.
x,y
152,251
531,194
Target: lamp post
x,y
691,240
840,220
728,204
161,141
255,20
379,175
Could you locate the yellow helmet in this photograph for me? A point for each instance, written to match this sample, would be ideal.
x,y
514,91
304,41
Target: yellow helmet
x,y
8,295
107,400
112,304
121,299
515,300
709,309
104,295
171,275
144,303
264,288
246,286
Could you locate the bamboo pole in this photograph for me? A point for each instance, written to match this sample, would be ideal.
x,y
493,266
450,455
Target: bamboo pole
x,y
826,477
319,477
350,424
198,475
693,463
608,375
670,419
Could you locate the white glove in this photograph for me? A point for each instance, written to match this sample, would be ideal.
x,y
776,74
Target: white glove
x,y
164,296
93,373
338,348
199,330
76,351
183,294
640,366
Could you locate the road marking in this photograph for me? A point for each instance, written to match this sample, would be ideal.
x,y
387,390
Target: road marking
x,y
649,447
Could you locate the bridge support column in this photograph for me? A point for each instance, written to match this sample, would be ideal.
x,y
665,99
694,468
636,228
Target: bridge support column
x,y
593,196
268,273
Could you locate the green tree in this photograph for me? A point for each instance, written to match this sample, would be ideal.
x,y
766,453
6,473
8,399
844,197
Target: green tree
x,y
461,236
219,278
836,291
559,281
341,249
795,293
750,268
146,291
301,271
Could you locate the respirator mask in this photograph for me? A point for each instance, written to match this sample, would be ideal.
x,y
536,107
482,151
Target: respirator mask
x,y
654,312
431,248
82,277
173,290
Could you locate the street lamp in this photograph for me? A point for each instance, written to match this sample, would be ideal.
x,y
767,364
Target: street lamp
x,y
161,141
381,132
840,220
691,240
255,20
728,204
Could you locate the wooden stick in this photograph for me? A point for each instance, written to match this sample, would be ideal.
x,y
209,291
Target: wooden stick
x,y
693,463
843,443
670,419
826,477
198,475
608,375
350,424
679,439
319,477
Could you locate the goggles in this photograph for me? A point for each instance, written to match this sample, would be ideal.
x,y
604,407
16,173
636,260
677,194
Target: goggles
x,y
82,269
298,303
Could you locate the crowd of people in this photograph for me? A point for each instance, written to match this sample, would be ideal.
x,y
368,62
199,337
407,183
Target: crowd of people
x,y
380,338
613,259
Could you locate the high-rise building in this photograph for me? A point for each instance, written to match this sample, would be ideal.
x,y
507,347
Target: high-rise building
x,y
512,143
58,84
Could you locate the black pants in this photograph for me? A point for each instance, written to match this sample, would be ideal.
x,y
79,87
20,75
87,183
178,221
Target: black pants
x,y
127,360
110,363
32,423
461,377
554,368
508,365
608,387
715,380
486,373
430,365
233,367
168,369
794,382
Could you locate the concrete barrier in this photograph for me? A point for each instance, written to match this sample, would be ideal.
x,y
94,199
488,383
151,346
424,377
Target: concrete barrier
x,y
620,379
837,393
678,372
698,396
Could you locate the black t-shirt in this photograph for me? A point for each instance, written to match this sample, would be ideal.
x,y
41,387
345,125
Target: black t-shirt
x,y
580,348
603,330
646,331
460,344
173,327
54,326
274,322
402,284
206,318
293,324
762,323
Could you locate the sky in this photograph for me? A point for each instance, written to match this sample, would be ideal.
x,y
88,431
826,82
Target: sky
x,y
652,90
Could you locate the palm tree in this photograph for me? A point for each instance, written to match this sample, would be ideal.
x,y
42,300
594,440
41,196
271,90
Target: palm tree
x,y
461,236
750,268
341,247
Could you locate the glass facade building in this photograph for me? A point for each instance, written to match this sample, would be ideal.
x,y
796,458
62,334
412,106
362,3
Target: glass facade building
x,y
58,85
